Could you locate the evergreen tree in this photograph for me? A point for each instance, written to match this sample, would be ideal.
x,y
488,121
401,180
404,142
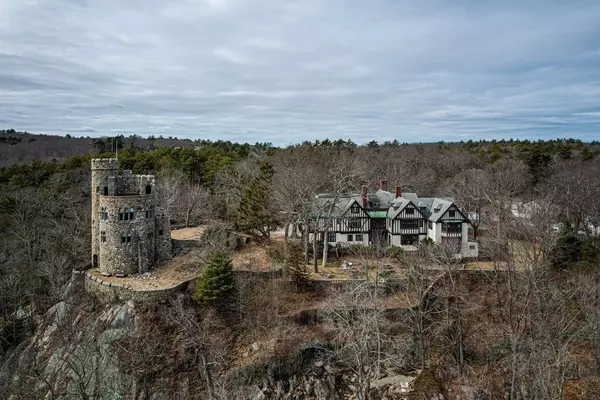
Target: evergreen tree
x,y
295,267
567,249
256,214
217,282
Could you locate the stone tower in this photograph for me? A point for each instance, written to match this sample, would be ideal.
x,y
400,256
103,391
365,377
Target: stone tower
x,y
130,228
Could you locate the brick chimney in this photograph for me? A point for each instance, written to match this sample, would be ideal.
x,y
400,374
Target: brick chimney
x,y
398,191
363,195
383,184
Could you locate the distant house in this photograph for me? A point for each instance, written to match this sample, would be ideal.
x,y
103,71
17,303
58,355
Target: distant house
x,y
394,219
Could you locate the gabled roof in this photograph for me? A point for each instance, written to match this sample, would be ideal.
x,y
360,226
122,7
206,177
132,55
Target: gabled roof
x,y
400,204
381,200
323,202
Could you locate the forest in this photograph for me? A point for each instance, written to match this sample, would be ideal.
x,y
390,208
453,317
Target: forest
x,y
527,328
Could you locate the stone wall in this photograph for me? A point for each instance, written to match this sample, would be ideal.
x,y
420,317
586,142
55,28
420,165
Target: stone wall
x,y
115,292
129,257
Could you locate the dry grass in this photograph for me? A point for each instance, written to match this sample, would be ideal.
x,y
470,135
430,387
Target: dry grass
x,y
193,233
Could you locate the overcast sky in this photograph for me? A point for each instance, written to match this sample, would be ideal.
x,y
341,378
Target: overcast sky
x,y
285,71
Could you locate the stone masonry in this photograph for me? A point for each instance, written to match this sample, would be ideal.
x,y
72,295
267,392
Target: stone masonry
x,y
130,228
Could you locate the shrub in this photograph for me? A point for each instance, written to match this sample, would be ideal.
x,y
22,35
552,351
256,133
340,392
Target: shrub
x,y
276,252
566,250
395,251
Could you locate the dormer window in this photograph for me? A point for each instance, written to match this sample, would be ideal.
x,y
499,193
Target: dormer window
x,y
451,214
355,209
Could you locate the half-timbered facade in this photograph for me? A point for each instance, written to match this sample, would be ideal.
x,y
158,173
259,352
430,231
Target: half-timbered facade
x,y
393,219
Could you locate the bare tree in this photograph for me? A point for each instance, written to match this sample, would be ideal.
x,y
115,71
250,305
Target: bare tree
x,y
468,189
356,317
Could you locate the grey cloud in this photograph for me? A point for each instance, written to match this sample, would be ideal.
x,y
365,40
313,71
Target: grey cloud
x,y
267,70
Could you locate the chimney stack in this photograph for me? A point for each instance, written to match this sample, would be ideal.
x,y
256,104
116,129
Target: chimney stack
x,y
383,184
363,195
398,191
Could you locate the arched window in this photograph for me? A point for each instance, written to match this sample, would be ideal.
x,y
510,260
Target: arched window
x,y
106,190
148,189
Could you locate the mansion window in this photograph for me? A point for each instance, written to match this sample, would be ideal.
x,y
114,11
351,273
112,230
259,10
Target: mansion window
x,y
102,237
409,224
150,212
350,238
410,211
451,214
125,214
331,236
355,209
451,227
103,214
125,238
359,238
354,223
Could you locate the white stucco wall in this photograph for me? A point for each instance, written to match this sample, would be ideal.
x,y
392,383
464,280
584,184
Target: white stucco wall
x,y
470,249
437,232
395,240
465,232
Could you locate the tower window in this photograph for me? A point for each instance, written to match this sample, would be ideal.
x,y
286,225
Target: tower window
x,y
103,237
103,214
148,189
106,190
150,212
126,215
97,189
160,232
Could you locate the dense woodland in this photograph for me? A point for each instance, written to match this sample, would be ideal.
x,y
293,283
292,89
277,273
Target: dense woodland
x,y
530,332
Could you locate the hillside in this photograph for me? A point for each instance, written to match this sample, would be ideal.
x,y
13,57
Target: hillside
x,y
525,326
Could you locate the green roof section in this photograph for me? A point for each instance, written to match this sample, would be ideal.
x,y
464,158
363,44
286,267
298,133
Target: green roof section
x,y
377,214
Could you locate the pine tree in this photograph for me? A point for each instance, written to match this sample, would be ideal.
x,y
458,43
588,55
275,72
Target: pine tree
x,y
296,267
256,214
217,282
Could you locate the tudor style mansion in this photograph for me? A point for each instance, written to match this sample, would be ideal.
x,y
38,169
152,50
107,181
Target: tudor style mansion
x,y
394,219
